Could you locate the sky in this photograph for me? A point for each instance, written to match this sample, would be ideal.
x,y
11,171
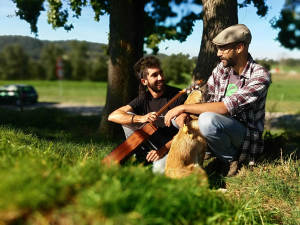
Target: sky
x,y
263,43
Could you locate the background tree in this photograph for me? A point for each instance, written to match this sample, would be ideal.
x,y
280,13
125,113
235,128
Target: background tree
x,y
218,15
176,67
289,24
67,67
100,69
2,67
36,70
265,63
125,48
141,21
14,63
126,39
78,58
49,55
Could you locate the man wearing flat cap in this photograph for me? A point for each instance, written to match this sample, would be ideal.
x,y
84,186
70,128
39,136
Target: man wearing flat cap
x,y
232,120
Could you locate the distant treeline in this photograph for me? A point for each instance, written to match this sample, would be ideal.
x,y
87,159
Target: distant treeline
x,y
26,58
288,62
33,46
30,58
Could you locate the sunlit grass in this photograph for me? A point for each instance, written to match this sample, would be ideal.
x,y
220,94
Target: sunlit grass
x,y
51,173
53,180
272,187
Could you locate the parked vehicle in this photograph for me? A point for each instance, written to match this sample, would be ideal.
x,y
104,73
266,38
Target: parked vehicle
x,y
18,94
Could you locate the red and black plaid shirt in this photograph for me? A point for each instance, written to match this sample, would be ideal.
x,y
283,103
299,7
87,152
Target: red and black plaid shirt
x,y
247,104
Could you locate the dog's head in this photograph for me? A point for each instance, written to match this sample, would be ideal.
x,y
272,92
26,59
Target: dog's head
x,y
197,96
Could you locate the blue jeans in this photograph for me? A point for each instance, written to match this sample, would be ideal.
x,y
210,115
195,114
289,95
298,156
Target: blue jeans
x,y
224,135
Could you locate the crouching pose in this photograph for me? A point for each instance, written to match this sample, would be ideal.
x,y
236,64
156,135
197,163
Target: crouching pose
x,y
232,120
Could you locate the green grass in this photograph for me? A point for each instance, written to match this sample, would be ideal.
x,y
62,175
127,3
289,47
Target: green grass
x,y
73,92
53,124
59,179
51,173
271,187
283,95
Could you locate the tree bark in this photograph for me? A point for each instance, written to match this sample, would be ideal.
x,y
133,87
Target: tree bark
x,y
217,15
125,49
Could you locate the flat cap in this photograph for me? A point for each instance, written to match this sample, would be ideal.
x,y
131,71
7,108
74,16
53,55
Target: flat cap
x,y
232,34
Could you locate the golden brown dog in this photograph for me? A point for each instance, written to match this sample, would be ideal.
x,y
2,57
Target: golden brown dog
x,y
188,147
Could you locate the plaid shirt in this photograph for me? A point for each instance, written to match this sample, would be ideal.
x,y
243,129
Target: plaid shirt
x,y
247,104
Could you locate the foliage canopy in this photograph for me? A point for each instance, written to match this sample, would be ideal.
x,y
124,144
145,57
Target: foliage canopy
x,y
164,19
289,25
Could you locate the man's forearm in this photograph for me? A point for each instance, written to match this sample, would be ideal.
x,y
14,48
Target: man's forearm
x,y
121,117
217,107
164,149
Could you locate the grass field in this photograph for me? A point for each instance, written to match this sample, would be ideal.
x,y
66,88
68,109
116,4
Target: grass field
x,y
51,173
83,92
283,95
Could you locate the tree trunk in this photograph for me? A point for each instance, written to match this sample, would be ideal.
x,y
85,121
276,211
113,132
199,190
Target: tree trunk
x,y
217,15
125,48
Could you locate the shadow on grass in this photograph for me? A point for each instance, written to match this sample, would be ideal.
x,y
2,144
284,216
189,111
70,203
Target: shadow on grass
x,y
282,136
54,124
276,147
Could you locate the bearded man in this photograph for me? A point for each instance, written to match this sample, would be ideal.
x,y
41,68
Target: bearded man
x,y
154,94
233,119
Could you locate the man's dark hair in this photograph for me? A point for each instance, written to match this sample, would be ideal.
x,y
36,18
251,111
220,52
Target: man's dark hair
x,y
142,66
141,70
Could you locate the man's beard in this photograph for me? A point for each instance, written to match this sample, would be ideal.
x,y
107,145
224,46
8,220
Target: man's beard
x,y
156,89
229,62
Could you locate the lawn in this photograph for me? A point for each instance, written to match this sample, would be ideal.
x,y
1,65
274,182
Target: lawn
x,y
73,92
51,173
283,95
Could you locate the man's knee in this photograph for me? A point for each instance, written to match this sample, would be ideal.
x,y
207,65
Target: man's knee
x,y
206,123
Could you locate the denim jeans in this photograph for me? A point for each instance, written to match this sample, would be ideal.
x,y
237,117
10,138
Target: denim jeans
x,y
224,135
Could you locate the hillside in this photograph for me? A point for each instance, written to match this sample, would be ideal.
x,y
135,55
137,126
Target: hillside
x,y
33,46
